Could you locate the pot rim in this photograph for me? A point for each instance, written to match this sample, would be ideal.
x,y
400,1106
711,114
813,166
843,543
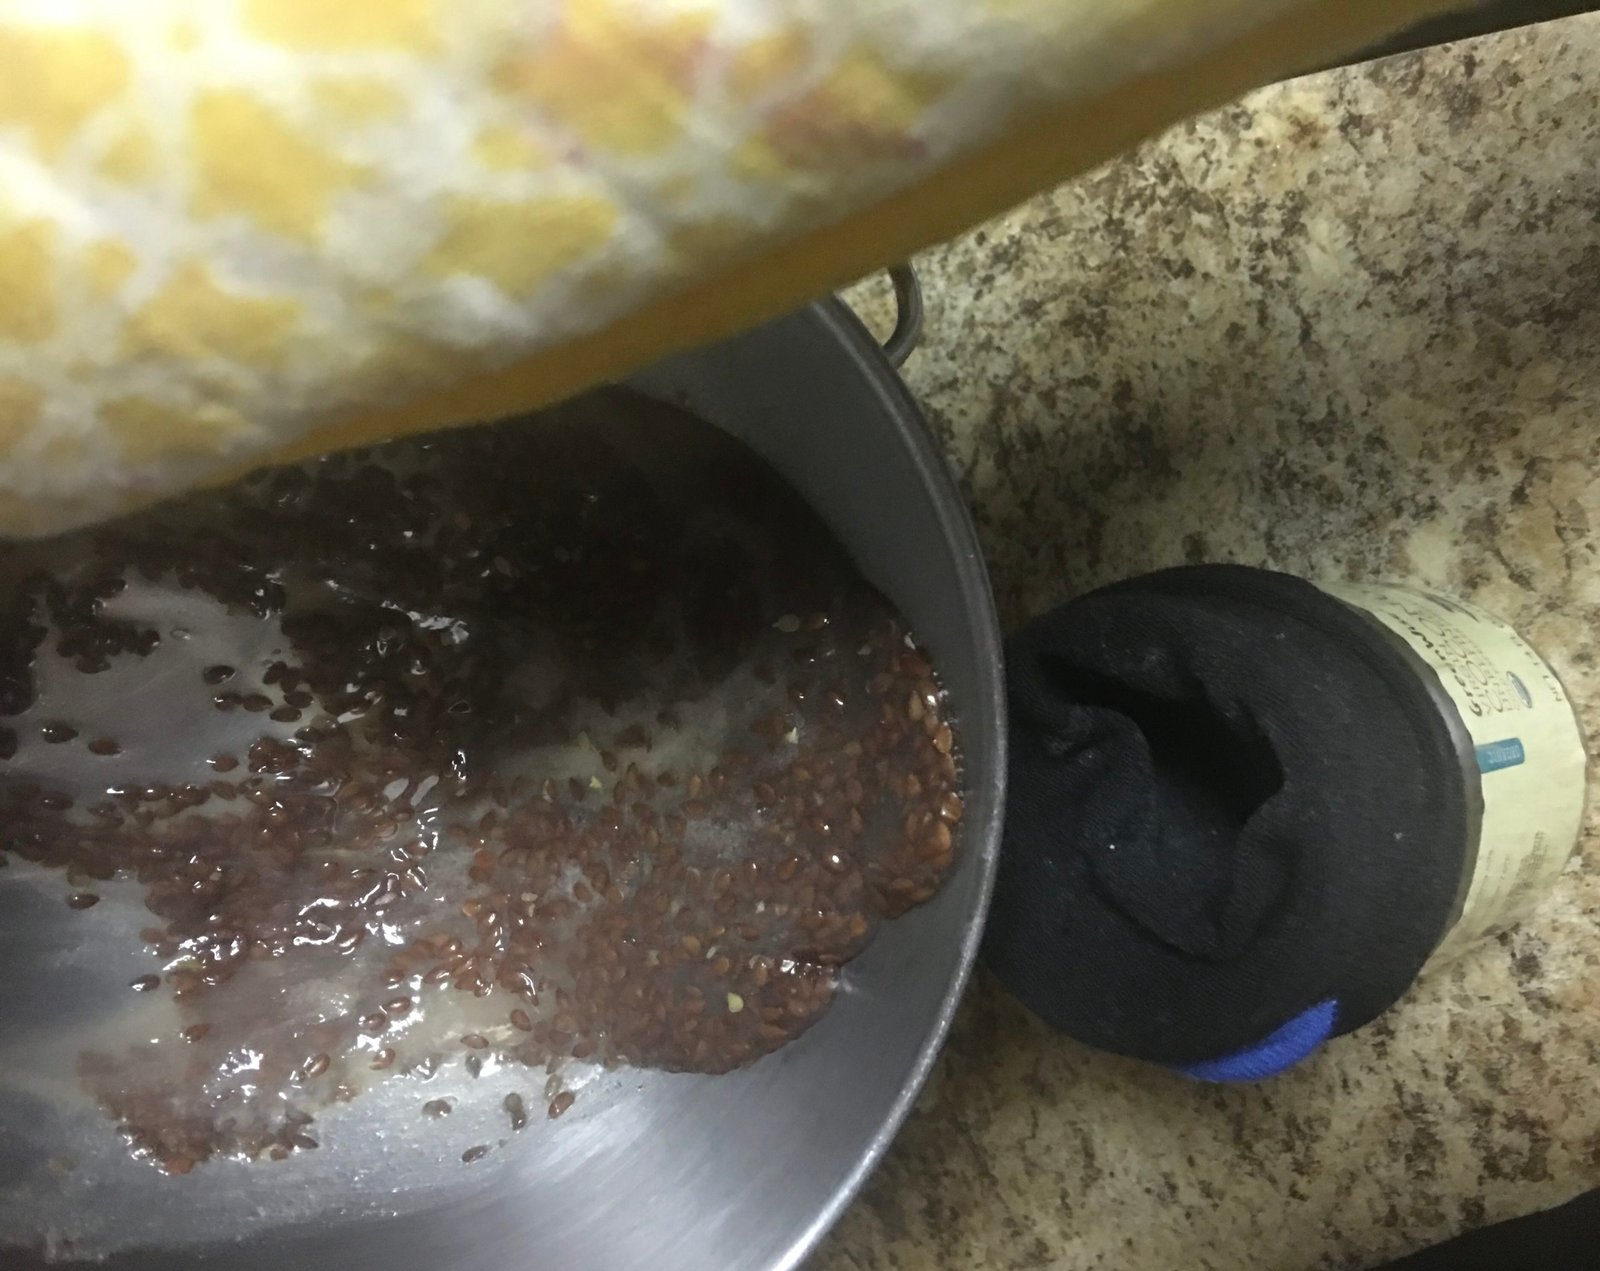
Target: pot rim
x,y
983,839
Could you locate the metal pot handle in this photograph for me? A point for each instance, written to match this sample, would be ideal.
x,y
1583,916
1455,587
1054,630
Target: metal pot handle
x,y
908,316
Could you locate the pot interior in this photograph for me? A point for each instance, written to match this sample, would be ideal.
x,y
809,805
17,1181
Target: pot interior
x,y
748,1169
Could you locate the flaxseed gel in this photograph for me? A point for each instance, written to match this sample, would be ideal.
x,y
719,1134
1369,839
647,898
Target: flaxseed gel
x,y
534,746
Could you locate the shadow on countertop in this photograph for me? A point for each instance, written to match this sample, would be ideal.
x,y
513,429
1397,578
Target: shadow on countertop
x,y
1558,1240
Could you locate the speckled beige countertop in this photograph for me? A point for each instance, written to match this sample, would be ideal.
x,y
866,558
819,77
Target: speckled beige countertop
x,y
1348,328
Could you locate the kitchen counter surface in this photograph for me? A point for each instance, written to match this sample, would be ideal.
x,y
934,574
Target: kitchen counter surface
x,y
1349,327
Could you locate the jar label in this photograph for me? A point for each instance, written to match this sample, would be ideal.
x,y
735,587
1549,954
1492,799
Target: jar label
x,y
1526,742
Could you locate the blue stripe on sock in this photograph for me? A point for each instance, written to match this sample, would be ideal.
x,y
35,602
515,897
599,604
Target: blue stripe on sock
x,y
1283,1049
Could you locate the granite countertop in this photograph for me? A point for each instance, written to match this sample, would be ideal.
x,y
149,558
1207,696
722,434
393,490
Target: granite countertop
x,y
1347,328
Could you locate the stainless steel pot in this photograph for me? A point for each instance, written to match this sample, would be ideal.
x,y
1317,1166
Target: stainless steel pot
x,y
748,1170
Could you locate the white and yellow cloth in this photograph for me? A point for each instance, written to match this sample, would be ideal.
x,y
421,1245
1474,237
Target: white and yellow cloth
x,y
233,231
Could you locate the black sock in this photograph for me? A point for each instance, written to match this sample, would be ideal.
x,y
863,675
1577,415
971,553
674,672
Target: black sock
x,y
1232,802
